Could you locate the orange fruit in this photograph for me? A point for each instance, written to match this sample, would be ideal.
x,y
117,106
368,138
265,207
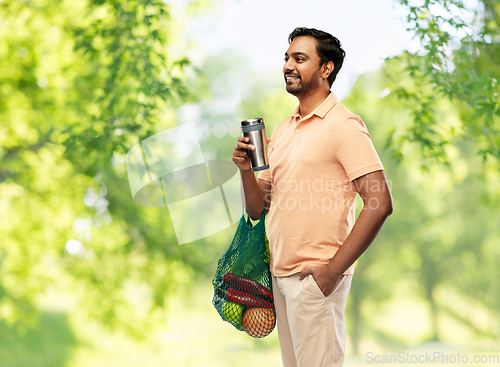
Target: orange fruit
x,y
258,322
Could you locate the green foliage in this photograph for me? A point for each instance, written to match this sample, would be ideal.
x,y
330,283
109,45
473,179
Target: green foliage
x,y
129,78
458,48
81,82
50,343
444,222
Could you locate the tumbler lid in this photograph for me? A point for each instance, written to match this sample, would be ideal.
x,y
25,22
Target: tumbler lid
x,y
255,121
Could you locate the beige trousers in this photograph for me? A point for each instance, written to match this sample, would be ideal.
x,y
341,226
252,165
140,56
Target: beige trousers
x,y
311,327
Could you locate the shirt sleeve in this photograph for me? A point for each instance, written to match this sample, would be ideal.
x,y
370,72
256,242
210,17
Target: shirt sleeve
x,y
354,148
265,175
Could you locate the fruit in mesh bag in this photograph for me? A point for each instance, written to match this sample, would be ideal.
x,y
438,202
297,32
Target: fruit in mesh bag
x,y
247,299
259,322
232,312
247,285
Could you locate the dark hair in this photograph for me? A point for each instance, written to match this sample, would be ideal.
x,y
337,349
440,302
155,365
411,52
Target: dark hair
x,y
328,47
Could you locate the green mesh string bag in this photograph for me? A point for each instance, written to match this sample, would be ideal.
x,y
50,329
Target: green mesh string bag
x,y
243,294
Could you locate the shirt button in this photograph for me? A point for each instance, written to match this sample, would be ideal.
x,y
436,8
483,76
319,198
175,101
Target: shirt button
x,y
297,130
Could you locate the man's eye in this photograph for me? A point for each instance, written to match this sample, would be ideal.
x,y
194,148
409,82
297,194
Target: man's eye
x,y
300,59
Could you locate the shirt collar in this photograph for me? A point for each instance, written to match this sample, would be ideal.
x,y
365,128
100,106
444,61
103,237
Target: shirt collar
x,y
321,110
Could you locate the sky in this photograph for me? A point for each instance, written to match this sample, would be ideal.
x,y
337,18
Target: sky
x,y
369,31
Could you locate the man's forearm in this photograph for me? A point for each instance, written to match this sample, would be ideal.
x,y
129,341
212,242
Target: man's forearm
x,y
252,195
363,233
374,190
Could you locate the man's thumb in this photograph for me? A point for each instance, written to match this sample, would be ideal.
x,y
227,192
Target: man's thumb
x,y
304,273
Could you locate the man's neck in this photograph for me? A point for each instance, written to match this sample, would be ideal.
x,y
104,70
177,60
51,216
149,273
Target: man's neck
x,y
310,102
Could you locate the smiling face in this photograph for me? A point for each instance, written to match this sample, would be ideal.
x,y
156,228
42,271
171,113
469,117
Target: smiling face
x,y
302,69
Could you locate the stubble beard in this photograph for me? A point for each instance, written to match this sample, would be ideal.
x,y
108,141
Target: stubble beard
x,y
303,89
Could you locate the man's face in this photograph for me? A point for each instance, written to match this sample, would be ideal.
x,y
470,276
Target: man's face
x,y
302,67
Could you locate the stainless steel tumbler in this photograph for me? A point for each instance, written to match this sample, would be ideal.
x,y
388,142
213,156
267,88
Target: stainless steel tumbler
x,y
256,131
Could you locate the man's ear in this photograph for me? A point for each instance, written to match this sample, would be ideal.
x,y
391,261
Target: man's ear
x,y
327,69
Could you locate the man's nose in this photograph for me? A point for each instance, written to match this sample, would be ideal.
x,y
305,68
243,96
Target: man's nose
x,y
289,65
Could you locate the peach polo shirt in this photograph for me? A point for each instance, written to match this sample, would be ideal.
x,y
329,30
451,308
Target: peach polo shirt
x,y
312,161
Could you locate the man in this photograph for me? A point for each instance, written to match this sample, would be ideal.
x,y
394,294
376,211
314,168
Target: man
x,y
320,158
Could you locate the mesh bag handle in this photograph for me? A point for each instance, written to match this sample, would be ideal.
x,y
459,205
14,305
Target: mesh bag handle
x,y
243,294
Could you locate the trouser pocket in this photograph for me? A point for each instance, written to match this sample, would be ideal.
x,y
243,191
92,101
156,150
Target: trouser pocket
x,y
315,285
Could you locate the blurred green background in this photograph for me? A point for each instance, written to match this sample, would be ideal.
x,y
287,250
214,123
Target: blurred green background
x,y
88,278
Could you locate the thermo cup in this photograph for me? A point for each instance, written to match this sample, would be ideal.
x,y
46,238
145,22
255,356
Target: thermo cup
x,y
255,130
